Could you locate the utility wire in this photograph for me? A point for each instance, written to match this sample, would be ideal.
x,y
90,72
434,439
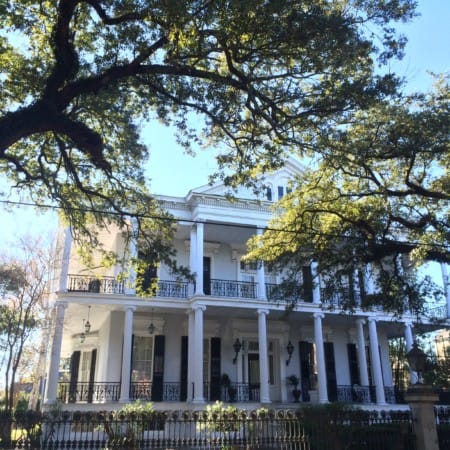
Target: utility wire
x,y
177,220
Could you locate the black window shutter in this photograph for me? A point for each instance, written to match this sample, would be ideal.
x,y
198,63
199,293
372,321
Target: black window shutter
x,y
92,375
158,369
353,364
74,368
215,368
184,368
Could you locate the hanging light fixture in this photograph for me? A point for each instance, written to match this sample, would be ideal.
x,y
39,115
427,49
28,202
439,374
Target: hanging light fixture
x,y
82,337
151,327
237,348
289,349
87,324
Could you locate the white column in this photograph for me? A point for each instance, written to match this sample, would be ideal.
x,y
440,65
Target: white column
x,y
261,275
369,279
376,362
193,249
63,276
126,354
199,260
283,369
362,359
55,356
446,284
321,370
191,355
263,357
316,282
198,354
409,339
130,286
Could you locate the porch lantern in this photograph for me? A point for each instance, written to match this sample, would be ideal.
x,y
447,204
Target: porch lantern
x,y
289,349
151,327
87,324
417,360
237,348
82,338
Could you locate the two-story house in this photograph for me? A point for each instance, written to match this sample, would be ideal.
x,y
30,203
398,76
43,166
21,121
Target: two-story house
x,y
222,337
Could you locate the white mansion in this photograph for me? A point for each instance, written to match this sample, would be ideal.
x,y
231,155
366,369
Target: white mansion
x,y
223,337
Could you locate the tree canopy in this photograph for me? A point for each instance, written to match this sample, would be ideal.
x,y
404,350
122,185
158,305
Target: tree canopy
x,y
378,194
253,79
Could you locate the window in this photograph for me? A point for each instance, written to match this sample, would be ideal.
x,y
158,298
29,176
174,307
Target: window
x,y
142,361
280,192
269,194
249,267
85,368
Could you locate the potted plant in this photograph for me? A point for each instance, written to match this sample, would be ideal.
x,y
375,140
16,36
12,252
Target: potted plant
x,y
294,381
231,390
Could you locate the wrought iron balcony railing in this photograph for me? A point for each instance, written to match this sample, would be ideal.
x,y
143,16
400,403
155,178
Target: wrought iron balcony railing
x,y
231,288
100,285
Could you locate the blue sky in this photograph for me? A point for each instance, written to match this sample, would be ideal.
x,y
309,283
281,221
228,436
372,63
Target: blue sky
x,y
173,173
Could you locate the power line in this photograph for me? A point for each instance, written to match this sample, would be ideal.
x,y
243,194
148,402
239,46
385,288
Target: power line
x,y
178,220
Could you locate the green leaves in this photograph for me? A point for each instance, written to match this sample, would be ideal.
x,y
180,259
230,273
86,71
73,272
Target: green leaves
x,y
378,195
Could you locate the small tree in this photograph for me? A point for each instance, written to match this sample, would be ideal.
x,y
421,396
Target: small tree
x,y
23,302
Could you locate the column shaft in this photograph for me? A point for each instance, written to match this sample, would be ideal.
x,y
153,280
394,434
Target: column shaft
x,y
261,275
199,263
376,362
53,371
198,355
126,355
191,355
362,359
63,276
321,369
263,356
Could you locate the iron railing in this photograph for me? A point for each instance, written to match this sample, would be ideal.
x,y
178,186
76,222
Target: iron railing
x,y
438,313
256,429
340,297
95,392
148,391
353,394
231,288
100,285
177,289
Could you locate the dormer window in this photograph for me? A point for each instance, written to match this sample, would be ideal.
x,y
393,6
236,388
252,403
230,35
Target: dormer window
x,y
280,192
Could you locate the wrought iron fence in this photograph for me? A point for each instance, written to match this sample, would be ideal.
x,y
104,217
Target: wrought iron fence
x,y
260,429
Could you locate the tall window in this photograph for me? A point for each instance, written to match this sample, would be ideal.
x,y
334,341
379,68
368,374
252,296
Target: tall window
x,y
142,360
85,368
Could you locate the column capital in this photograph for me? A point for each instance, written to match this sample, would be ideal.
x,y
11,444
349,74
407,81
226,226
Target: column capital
x,y
129,308
198,306
372,319
360,320
408,323
63,304
263,311
318,315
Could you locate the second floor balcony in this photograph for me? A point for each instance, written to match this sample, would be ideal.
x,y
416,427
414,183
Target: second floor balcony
x,y
339,298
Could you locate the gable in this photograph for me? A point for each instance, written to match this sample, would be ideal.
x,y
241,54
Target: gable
x,y
276,180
